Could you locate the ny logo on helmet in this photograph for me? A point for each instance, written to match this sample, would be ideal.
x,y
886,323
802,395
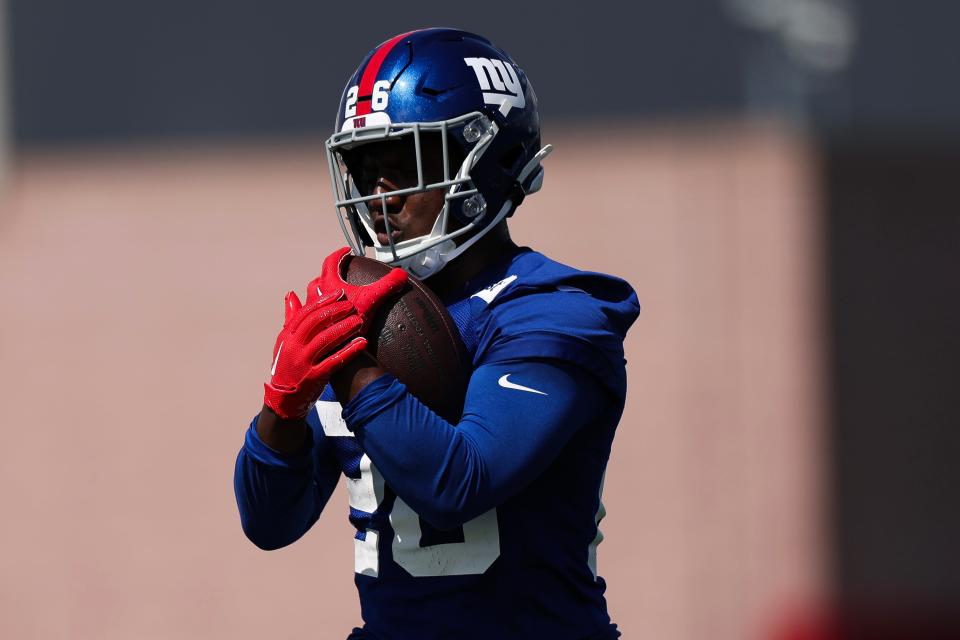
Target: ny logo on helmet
x,y
499,83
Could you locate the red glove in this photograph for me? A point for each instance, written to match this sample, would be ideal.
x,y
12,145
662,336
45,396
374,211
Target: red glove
x,y
365,298
309,349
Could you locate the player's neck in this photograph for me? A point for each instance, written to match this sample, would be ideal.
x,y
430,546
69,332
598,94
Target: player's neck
x,y
474,260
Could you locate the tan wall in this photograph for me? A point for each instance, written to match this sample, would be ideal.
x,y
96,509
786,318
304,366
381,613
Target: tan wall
x,y
141,293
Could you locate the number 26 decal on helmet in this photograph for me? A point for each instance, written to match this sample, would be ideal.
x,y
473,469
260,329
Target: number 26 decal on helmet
x,y
378,101
444,93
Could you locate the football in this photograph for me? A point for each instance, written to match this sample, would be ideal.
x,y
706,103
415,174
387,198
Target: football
x,y
414,338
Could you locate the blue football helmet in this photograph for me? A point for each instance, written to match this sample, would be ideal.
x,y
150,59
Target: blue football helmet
x,y
441,89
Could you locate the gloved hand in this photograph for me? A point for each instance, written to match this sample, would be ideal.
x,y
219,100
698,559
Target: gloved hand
x,y
309,349
365,298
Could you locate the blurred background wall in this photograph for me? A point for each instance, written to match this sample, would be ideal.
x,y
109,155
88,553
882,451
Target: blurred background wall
x,y
116,69
777,178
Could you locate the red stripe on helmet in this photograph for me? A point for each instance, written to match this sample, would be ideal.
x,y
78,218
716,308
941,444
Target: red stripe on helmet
x,y
369,76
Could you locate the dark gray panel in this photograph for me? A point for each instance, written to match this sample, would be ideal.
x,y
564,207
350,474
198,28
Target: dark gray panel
x,y
894,251
904,74
115,68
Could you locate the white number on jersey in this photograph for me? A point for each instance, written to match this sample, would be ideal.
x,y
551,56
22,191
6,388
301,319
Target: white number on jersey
x,y
481,536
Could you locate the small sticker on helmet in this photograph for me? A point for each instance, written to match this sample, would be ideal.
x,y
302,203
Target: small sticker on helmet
x,y
375,119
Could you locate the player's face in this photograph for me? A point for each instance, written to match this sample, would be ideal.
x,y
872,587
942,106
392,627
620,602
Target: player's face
x,y
389,166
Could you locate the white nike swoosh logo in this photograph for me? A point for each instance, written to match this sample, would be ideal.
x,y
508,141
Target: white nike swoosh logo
x,y
506,384
273,369
488,294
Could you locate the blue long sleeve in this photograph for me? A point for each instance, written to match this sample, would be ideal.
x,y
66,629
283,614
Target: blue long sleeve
x,y
281,496
517,417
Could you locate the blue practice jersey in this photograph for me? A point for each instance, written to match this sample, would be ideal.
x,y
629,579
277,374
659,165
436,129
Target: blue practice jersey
x,y
487,528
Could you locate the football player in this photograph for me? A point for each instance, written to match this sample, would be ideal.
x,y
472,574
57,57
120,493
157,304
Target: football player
x,y
487,528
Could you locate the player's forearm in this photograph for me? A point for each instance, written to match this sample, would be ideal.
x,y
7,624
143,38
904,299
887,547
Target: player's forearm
x,y
423,458
450,474
284,436
354,376
274,508
279,495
